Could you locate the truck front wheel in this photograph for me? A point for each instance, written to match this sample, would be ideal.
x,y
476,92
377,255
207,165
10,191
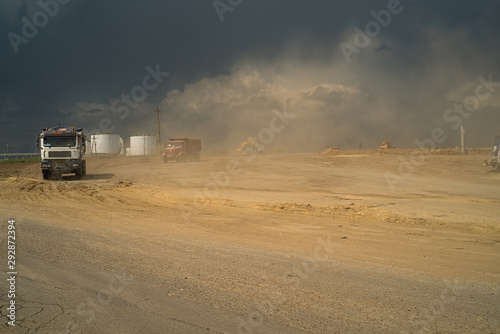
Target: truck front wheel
x,y
47,175
82,171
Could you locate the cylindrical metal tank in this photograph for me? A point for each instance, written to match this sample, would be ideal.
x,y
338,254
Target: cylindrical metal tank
x,y
142,145
105,144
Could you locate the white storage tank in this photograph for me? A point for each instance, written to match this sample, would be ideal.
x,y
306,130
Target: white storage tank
x,y
105,144
142,145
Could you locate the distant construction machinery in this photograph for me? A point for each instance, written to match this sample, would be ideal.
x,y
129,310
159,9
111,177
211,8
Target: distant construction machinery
x,y
495,161
182,149
248,146
386,144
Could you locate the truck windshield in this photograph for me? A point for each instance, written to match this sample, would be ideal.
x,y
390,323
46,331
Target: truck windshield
x,y
62,141
175,144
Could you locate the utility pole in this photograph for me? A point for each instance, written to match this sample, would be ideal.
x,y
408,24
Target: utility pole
x,y
158,137
462,139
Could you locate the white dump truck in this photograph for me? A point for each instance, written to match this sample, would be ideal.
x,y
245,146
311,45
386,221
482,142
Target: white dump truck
x,y
62,149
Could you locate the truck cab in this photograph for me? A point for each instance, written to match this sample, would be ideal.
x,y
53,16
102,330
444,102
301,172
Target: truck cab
x,y
61,151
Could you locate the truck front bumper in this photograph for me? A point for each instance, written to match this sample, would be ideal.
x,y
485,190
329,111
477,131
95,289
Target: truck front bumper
x,y
61,166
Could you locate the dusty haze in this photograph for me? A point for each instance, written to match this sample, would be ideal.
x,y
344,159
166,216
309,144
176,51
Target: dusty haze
x,y
333,103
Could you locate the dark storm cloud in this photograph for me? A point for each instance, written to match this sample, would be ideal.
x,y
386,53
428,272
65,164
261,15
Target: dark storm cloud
x,y
225,77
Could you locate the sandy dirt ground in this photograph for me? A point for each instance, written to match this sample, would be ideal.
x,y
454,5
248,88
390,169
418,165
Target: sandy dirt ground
x,y
347,242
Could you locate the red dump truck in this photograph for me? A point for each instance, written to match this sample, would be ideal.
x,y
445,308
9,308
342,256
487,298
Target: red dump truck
x,y
182,149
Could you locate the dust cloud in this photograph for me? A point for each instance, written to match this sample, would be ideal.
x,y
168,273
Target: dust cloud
x,y
376,97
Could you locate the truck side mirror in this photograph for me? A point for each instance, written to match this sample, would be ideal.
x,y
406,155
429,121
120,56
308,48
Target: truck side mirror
x,y
37,142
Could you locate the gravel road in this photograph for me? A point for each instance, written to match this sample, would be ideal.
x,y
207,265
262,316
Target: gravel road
x,y
272,243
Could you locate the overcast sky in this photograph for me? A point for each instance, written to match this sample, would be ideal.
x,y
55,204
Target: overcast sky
x,y
343,71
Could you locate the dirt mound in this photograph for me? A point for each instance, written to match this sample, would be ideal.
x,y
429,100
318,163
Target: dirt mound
x,y
24,169
404,151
